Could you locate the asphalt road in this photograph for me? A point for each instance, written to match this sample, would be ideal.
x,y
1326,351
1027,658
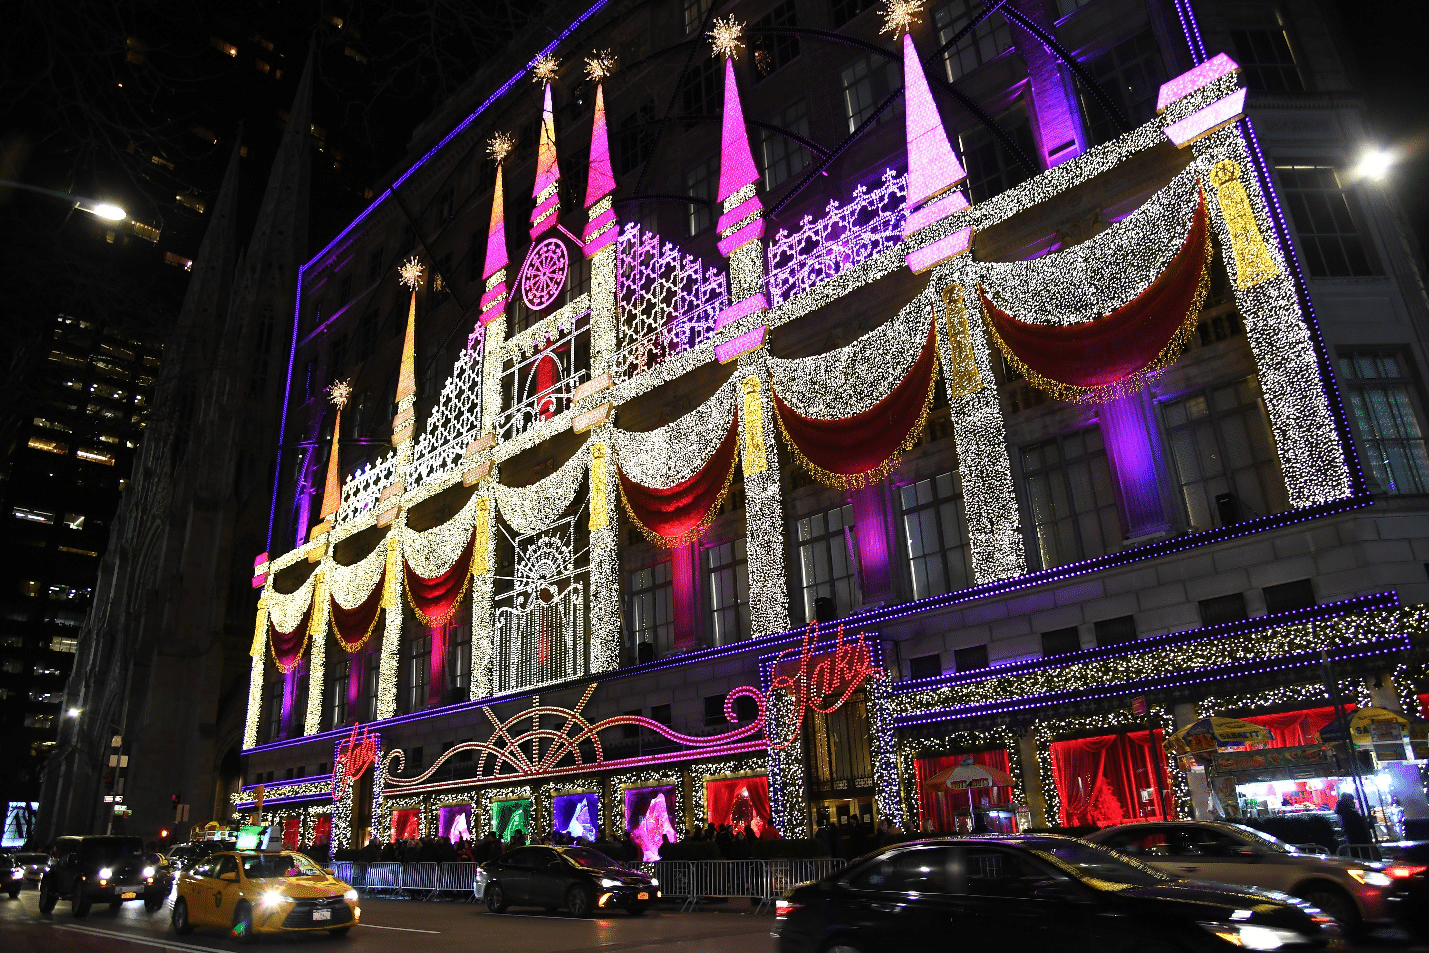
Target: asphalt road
x,y
412,926
396,925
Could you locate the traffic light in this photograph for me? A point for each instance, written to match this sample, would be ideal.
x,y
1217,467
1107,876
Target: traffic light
x,y
174,799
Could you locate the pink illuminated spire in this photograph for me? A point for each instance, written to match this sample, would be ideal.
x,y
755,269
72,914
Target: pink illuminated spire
x,y
548,172
601,181
932,166
736,167
496,258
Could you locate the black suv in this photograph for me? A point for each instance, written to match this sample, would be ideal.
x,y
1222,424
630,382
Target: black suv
x,y
12,876
100,869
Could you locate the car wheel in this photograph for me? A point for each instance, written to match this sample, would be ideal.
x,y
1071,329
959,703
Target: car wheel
x,y
14,893
47,897
339,933
578,901
243,923
495,899
180,918
114,905
1334,902
638,910
79,905
839,946
153,904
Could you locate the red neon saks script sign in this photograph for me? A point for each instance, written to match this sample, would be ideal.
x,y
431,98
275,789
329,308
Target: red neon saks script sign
x,y
821,685
354,757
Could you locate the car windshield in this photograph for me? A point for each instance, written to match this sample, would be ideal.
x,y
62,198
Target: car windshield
x,y
1104,868
264,866
1262,839
108,850
586,857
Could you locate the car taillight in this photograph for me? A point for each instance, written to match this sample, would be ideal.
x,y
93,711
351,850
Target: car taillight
x,y
782,908
1401,871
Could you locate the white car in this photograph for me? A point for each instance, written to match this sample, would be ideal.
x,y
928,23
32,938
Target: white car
x,y
1350,891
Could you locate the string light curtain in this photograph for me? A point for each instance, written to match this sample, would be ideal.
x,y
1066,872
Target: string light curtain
x,y
1106,356
435,600
288,647
676,516
1101,781
353,627
852,452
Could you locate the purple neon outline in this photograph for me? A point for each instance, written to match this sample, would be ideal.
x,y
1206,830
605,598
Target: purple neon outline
x,y
1385,646
1192,29
1374,602
310,779
461,127
294,799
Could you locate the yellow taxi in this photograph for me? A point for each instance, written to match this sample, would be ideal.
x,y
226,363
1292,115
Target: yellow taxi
x,y
253,892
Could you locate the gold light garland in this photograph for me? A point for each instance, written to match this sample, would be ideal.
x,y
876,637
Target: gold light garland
x,y
755,459
599,518
963,376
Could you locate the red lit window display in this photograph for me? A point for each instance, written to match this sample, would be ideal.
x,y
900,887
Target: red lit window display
x,y
1108,779
406,824
941,807
292,832
322,829
741,802
1293,728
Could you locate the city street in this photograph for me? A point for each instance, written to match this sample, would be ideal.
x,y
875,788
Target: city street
x,y
435,927
397,925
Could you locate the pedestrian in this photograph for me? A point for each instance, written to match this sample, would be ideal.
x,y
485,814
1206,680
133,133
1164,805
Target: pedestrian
x,y
370,851
1357,829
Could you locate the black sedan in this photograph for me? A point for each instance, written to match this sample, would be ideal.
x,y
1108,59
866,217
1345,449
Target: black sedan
x,y
1408,863
1032,893
12,876
578,878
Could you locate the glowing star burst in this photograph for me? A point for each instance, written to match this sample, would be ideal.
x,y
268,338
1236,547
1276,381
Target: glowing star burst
x,y
725,37
500,146
544,69
339,393
411,273
599,66
900,15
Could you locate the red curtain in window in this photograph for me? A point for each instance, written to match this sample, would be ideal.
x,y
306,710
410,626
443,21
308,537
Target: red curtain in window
x,y
737,801
1292,728
288,646
938,810
322,829
851,452
406,824
437,666
435,600
1109,779
353,627
1070,359
1424,706
675,516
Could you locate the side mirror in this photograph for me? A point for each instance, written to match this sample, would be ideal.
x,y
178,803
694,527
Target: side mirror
x,y
1056,890
231,876
1245,852
330,872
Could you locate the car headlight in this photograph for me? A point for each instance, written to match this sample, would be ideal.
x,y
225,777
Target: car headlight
x,y
105,873
1371,878
271,898
17,873
147,872
350,895
654,882
608,882
1255,936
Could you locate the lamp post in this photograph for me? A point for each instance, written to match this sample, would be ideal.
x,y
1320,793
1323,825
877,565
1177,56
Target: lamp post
x,y
105,210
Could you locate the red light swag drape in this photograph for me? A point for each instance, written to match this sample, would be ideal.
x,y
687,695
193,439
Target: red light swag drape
x,y
852,452
353,627
288,646
1101,781
676,516
1294,728
1108,355
435,600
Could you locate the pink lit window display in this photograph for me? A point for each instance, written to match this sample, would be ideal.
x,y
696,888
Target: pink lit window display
x,y
648,818
454,822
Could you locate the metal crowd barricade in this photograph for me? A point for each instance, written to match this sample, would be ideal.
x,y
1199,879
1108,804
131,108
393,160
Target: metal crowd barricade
x,y
349,872
1363,852
456,878
419,879
384,877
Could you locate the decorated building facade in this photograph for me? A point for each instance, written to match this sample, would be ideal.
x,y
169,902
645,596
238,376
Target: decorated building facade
x,y
748,454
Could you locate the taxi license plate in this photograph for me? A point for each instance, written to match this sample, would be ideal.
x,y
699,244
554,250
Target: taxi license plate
x,y
643,896
322,915
128,896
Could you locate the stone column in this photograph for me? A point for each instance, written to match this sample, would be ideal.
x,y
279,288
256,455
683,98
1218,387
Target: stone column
x,y
1026,755
1056,116
1132,450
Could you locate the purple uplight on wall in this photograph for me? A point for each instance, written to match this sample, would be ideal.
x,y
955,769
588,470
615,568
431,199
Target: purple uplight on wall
x,y
1132,455
685,594
290,694
872,536
356,665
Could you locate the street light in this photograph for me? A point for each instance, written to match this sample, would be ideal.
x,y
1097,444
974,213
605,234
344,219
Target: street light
x,y
73,712
105,210
1375,164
